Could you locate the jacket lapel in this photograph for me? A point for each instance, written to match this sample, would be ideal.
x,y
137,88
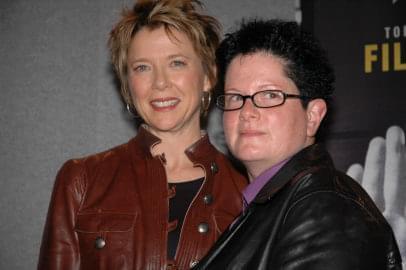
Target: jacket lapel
x,y
313,156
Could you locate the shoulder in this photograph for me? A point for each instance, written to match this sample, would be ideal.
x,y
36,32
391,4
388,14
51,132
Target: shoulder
x,y
330,193
337,214
77,171
108,158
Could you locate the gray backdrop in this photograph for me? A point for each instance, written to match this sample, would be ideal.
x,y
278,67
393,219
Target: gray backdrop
x,y
58,101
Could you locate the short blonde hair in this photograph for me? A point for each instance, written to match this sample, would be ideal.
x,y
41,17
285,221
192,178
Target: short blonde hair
x,y
182,15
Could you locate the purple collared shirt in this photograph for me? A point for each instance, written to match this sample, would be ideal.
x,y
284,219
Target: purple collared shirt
x,y
251,191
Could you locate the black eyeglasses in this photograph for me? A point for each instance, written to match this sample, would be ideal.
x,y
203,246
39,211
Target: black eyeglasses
x,y
261,99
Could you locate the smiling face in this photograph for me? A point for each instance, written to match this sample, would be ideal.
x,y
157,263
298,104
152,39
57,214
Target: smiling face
x,y
262,137
166,80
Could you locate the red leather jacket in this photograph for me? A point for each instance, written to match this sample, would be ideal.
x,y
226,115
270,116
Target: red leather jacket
x,y
110,210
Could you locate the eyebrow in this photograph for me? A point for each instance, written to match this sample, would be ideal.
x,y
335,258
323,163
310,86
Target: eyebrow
x,y
131,61
233,91
172,56
143,59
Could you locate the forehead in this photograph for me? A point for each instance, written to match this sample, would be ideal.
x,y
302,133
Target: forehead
x,y
160,40
257,70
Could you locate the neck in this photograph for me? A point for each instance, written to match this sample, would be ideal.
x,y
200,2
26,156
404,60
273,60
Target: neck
x,y
254,169
178,167
175,142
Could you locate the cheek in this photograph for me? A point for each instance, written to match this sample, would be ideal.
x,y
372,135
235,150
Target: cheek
x,y
230,122
132,85
138,87
190,84
294,130
194,81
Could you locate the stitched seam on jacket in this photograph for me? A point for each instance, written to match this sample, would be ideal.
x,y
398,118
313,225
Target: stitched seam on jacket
x,y
84,182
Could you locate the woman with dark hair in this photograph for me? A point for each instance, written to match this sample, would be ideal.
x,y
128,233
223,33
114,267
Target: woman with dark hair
x,y
300,212
161,200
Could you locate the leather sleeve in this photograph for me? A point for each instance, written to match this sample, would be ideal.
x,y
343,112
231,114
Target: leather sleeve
x,y
60,247
326,230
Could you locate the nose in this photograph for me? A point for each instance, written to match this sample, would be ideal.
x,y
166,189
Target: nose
x,y
249,110
160,79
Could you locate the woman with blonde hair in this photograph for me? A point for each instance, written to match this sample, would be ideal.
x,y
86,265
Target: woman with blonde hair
x,y
162,199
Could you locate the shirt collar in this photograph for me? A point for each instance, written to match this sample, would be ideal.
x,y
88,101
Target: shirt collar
x,y
251,191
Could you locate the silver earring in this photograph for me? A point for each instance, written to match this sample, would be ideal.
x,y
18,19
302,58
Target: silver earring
x,y
131,112
206,99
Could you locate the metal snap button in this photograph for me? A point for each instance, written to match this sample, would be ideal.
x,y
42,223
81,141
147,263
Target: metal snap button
x,y
171,266
203,227
193,264
100,242
214,168
392,260
208,199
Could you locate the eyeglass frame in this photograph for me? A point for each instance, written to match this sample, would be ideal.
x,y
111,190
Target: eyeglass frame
x,y
251,97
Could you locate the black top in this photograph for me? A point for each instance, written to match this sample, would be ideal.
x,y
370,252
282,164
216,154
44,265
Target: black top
x,y
184,193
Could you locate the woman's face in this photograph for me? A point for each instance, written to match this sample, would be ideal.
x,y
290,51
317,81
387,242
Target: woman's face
x,y
262,137
166,80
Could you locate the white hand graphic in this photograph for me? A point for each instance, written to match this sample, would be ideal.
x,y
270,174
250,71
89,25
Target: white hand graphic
x,y
384,178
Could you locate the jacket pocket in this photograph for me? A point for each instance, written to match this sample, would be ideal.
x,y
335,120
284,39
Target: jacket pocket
x,y
105,239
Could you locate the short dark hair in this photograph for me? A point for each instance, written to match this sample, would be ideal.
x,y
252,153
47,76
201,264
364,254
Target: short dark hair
x,y
306,61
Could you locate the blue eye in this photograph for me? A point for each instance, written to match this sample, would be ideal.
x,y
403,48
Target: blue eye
x,y
178,63
141,68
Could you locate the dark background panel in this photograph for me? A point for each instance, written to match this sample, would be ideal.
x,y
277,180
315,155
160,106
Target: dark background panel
x,y
365,104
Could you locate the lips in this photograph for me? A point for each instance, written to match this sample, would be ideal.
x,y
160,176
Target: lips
x,y
164,103
251,133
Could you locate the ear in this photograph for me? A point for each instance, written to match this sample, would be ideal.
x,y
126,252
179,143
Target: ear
x,y
316,110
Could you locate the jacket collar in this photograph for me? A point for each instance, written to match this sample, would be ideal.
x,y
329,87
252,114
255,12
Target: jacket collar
x,y
309,158
200,151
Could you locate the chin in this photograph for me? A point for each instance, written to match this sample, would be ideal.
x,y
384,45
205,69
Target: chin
x,y
246,157
249,151
165,123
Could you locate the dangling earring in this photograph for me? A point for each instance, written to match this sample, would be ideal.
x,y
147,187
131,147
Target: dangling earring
x,y
132,112
206,99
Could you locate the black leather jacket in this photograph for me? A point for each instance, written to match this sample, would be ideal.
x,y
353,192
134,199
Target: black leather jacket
x,y
308,216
